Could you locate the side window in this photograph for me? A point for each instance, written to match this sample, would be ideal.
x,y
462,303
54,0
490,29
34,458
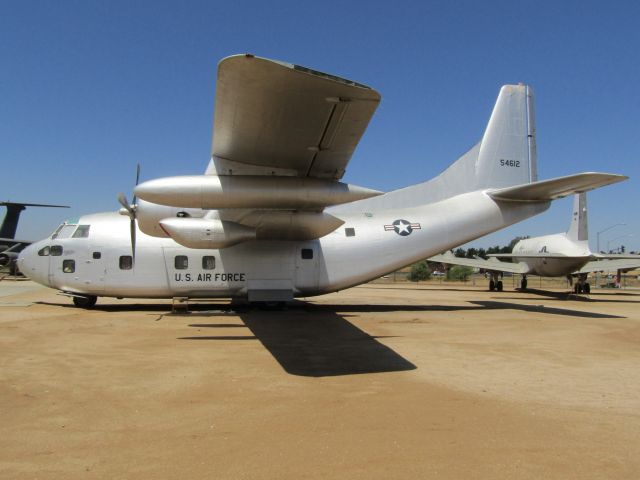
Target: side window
x,y
181,262
68,266
97,255
82,231
306,253
126,262
208,262
44,252
350,232
56,250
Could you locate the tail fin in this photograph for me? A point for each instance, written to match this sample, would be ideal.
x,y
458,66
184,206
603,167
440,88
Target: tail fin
x,y
578,229
507,153
505,156
10,222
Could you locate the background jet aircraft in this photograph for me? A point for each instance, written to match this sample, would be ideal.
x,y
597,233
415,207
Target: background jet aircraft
x,y
9,246
270,220
557,255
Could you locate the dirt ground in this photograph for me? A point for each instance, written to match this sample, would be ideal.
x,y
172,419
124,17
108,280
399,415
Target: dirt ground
x,y
376,382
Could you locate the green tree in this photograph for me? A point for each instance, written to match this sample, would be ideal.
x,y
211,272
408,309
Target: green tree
x,y
459,272
419,271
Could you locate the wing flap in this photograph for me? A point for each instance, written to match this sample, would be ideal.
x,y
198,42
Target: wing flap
x,y
547,190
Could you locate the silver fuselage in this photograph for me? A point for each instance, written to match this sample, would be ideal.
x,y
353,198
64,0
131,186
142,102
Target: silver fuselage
x,y
571,255
338,260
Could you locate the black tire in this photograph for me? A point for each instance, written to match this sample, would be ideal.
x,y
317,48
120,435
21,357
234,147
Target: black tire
x,y
499,286
270,306
523,284
577,289
85,302
492,285
587,288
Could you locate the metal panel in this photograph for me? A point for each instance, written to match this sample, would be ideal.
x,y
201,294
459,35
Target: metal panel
x,y
274,114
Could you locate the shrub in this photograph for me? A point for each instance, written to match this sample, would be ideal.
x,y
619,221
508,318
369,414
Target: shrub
x,y
419,271
459,272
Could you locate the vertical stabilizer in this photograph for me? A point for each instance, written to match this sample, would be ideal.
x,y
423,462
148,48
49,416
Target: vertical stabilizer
x,y
507,153
10,222
578,228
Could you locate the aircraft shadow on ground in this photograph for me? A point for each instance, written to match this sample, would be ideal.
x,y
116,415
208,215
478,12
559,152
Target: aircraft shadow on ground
x,y
541,309
577,297
318,340
314,342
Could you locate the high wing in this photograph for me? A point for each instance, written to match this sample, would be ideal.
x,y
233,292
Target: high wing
x,y
610,265
274,117
491,265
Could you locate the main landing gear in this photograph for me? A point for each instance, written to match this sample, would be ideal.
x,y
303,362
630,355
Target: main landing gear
x,y
523,283
495,283
581,286
85,301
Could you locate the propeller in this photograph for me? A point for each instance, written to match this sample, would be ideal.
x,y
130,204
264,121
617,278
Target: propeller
x,y
130,209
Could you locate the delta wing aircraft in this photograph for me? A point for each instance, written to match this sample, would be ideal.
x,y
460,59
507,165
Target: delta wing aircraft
x,y
270,220
10,247
558,255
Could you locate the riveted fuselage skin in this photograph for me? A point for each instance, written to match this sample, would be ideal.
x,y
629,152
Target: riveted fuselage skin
x,y
365,247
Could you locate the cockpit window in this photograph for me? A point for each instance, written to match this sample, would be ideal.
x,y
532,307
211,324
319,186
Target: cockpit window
x,y
56,250
82,231
64,231
44,252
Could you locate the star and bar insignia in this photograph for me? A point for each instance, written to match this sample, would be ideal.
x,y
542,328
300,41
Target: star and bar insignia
x,y
402,227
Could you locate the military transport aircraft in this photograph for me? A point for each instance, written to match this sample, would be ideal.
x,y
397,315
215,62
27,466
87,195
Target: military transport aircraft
x,y
557,255
10,247
270,220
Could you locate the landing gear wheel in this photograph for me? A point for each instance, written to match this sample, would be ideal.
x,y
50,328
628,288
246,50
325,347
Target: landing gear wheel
x,y
523,284
587,288
577,288
85,302
492,285
270,306
499,286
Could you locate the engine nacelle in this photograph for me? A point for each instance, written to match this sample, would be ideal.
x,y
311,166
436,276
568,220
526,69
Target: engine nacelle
x,y
8,258
206,232
247,191
149,215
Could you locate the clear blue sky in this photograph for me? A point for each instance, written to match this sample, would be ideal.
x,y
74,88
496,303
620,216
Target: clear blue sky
x,y
90,88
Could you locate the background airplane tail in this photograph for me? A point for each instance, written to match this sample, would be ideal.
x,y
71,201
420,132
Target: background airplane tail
x,y
506,156
578,230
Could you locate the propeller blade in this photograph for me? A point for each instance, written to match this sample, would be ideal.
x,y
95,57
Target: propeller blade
x,y
132,227
122,199
137,181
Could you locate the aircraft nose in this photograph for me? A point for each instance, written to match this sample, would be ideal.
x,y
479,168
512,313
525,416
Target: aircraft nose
x,y
26,262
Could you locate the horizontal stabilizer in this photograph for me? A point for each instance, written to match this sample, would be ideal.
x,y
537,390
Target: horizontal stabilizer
x,y
492,264
547,190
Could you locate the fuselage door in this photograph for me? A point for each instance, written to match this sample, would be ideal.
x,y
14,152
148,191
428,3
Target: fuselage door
x,y
307,267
